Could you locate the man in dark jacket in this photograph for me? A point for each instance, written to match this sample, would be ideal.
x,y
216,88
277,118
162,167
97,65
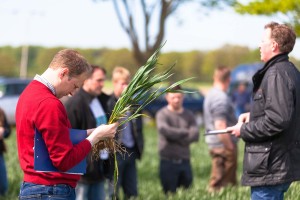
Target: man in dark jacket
x,y
87,109
271,129
129,136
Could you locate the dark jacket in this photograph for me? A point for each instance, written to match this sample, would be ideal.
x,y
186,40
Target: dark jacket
x,y
137,125
272,139
81,117
7,130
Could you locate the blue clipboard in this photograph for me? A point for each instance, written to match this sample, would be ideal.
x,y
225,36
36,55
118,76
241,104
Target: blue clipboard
x,y
42,161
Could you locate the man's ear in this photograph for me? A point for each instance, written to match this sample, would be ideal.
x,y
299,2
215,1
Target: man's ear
x,y
275,46
63,72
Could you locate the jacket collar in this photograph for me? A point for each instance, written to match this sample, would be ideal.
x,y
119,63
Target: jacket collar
x,y
258,76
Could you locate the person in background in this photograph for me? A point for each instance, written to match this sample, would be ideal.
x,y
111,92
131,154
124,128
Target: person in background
x,y
241,99
39,108
219,114
177,129
130,136
4,133
271,129
88,109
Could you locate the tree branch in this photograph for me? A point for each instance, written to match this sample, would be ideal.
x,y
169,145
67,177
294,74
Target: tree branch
x,y
165,6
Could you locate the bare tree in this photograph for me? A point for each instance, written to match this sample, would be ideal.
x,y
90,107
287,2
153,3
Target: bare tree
x,y
155,13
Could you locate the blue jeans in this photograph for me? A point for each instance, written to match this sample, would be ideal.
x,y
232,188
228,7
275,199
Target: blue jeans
x,y
3,176
174,174
93,191
274,192
30,191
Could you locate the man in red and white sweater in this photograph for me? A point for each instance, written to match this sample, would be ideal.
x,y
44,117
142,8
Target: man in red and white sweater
x,y
39,107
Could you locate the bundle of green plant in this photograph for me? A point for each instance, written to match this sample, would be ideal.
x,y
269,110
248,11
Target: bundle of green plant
x,y
134,98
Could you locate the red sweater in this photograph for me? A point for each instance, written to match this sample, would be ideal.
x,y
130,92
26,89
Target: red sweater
x,y
38,107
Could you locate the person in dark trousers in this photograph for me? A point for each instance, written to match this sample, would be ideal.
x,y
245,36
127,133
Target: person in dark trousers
x,y
88,109
4,133
39,108
177,129
271,129
129,136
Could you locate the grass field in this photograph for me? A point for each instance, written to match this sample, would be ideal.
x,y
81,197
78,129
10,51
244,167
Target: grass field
x,y
149,185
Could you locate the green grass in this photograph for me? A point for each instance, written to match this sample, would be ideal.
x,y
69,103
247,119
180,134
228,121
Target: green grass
x,y
148,182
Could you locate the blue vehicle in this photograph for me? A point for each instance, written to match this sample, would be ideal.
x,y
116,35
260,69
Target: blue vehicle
x,y
243,74
241,86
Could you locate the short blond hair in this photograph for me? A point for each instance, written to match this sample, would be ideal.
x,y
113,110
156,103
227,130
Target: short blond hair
x,y
120,73
73,60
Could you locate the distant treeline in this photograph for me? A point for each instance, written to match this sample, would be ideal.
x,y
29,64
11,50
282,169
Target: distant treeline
x,y
199,64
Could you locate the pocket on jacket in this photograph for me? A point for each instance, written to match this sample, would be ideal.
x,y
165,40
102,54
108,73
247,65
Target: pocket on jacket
x,y
256,159
258,104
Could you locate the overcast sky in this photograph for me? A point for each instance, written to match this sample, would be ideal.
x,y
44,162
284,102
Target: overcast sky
x,y
85,24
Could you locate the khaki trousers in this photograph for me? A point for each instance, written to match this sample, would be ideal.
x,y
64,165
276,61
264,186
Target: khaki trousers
x,y
223,169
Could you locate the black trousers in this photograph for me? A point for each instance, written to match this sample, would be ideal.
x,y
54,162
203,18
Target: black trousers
x,y
174,174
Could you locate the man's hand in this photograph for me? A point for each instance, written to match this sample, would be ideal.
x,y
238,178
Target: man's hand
x,y
244,118
236,129
103,132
